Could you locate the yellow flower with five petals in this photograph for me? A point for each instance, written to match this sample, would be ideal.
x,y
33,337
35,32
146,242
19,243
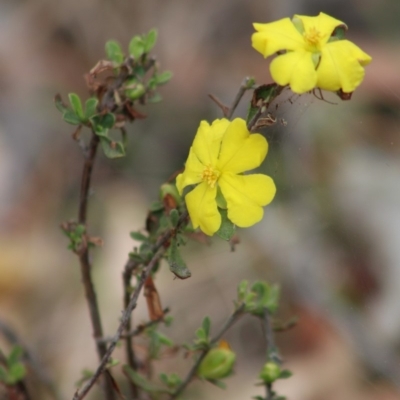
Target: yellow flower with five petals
x,y
220,153
314,56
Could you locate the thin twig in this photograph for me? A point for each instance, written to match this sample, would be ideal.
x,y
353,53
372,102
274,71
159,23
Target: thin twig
x,y
232,319
218,102
124,320
158,251
238,97
141,328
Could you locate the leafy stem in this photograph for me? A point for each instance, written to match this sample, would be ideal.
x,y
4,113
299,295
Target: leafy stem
x,y
231,320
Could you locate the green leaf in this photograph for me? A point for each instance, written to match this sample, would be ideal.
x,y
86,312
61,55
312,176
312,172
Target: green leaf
x,y
150,40
339,33
174,217
86,375
142,382
59,104
163,77
165,340
227,228
15,355
201,334
91,107
156,98
76,105
16,372
285,373
272,302
3,375
101,123
217,383
71,118
262,97
111,148
114,52
136,47
242,289
138,236
176,264
206,325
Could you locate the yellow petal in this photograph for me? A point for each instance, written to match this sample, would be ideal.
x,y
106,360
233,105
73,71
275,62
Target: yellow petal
x,y
295,69
275,36
240,150
245,195
206,144
341,66
323,23
192,173
202,208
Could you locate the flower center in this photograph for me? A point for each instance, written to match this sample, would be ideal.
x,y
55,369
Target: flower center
x,y
313,37
210,175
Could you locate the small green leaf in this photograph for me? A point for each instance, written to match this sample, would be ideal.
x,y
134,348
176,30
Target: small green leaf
x,y
142,382
150,40
76,105
15,355
163,77
201,334
206,325
138,236
176,264
165,340
227,228
111,148
285,374
136,47
16,372
59,104
242,289
339,33
218,383
86,374
155,98
71,118
91,107
174,217
3,375
102,123
114,52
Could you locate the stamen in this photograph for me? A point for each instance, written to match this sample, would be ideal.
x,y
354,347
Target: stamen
x,y
210,175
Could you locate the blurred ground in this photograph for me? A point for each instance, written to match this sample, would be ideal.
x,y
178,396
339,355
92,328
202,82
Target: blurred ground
x,y
330,238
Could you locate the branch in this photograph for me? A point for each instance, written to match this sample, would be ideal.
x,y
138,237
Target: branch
x,y
242,90
124,321
232,319
141,328
158,251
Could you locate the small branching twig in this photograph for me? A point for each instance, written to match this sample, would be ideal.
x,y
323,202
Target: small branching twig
x,y
232,319
140,329
158,251
246,85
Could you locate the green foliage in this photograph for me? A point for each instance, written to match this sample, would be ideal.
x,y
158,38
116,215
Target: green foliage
x,y
142,44
144,383
262,98
75,234
172,381
259,297
150,40
86,374
14,370
227,228
202,340
114,52
157,341
176,263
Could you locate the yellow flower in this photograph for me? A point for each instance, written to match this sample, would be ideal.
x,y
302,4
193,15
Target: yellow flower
x,y
220,153
313,57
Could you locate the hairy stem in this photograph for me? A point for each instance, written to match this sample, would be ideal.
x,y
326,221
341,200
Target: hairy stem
x,y
231,320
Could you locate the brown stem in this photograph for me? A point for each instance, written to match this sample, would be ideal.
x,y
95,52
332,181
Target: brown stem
x,y
242,90
232,319
158,250
124,321
85,264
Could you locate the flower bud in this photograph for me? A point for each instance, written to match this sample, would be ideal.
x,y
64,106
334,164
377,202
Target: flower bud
x,y
218,363
270,372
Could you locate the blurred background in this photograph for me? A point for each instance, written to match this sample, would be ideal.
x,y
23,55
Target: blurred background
x,y
330,238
